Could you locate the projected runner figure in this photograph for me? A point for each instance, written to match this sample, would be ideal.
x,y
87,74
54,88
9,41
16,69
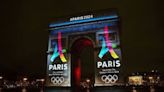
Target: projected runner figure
x,y
58,50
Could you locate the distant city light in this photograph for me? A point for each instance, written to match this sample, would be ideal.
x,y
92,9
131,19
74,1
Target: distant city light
x,y
150,78
42,80
158,77
135,80
88,80
25,79
1,77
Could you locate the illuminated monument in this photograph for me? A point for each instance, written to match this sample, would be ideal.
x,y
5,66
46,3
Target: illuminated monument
x,y
87,46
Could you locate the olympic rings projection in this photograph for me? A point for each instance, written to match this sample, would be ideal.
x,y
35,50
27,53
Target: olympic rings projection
x,y
109,78
57,80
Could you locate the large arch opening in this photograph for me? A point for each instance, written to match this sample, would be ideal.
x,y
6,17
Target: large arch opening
x,y
82,61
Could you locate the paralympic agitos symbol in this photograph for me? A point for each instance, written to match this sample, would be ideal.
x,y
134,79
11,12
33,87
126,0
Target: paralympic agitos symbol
x,y
58,51
107,45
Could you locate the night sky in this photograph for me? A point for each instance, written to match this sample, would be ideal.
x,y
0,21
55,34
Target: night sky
x,y
24,32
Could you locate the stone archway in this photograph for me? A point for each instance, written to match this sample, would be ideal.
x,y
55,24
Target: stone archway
x,y
82,61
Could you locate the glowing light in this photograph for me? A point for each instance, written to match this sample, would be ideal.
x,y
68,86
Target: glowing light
x,y
107,45
82,21
42,80
104,50
55,54
1,77
58,50
25,79
78,73
88,80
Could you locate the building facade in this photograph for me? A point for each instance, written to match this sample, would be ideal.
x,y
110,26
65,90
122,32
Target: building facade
x,y
84,47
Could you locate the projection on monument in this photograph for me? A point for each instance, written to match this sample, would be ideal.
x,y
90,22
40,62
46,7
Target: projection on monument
x,y
67,64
